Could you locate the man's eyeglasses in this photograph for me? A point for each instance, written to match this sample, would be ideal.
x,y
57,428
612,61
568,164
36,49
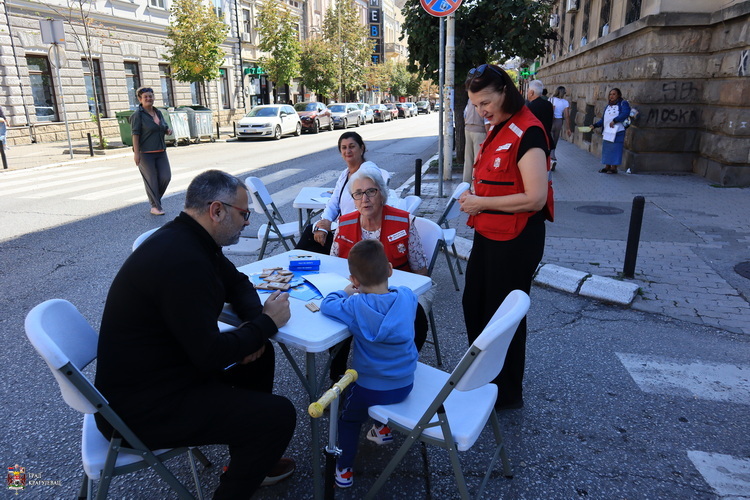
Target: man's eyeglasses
x,y
479,71
357,195
245,213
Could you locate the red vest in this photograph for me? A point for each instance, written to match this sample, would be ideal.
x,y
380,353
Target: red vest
x,y
394,235
496,173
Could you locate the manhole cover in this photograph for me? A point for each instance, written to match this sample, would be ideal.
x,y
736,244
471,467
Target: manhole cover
x,y
599,210
743,269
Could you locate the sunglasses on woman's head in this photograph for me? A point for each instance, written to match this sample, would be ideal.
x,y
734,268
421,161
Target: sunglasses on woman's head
x,y
479,71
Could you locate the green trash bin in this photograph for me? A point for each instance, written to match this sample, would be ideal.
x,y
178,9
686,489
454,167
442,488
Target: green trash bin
x,y
126,133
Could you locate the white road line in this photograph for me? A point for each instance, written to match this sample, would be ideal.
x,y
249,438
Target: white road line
x,y
115,177
712,381
729,476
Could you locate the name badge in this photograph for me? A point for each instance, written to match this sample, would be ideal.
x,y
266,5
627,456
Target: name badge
x,y
397,235
504,147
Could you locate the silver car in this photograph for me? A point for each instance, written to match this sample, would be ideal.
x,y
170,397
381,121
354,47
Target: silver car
x,y
346,114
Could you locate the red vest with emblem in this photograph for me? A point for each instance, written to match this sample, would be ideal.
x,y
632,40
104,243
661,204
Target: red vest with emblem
x,y
496,173
394,235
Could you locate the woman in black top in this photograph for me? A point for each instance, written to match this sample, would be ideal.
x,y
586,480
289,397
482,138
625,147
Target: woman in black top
x,y
149,148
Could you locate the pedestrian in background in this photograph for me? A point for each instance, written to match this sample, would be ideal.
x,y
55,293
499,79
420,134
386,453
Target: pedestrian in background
x,y
474,132
613,131
561,113
509,201
3,129
150,148
541,108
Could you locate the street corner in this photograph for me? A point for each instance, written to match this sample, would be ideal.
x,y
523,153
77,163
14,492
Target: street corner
x,y
609,290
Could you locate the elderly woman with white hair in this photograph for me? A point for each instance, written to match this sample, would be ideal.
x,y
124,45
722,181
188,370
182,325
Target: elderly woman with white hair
x,y
374,219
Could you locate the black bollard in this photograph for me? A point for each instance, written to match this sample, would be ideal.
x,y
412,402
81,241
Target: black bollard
x,y
634,236
2,154
91,144
234,128
418,177
217,130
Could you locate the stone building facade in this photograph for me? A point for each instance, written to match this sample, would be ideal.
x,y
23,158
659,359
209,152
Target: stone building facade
x,y
683,64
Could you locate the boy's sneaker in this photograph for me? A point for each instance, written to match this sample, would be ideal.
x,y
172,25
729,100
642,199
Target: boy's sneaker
x,y
344,477
380,434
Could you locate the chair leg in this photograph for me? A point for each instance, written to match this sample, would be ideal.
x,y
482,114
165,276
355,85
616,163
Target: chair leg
x,y
463,490
197,453
161,469
431,317
410,440
507,471
196,479
84,491
450,266
458,261
109,467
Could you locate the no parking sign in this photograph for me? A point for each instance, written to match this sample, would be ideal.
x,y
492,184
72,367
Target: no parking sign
x,y
440,8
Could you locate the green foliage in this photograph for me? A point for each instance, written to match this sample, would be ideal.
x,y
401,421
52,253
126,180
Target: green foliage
x,y
486,31
279,38
400,78
343,30
195,34
318,67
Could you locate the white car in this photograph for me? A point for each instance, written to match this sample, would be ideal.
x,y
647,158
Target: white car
x,y
269,120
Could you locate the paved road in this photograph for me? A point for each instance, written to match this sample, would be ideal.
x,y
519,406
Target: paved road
x,y
620,403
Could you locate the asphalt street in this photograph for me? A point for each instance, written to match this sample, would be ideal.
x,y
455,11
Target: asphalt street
x,y
620,402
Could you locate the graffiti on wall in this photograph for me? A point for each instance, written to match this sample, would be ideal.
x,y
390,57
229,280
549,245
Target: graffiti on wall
x,y
742,67
680,91
672,116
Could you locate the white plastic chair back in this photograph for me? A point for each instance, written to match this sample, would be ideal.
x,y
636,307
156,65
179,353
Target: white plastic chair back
x,y
431,234
259,194
494,341
143,238
453,208
60,334
411,203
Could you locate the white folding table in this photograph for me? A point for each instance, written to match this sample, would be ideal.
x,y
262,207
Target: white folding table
x,y
314,332
313,200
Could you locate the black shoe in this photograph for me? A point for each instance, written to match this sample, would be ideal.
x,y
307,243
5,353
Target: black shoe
x,y
509,405
282,470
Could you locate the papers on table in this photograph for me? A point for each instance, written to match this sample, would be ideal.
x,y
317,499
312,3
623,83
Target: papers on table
x,y
327,282
320,199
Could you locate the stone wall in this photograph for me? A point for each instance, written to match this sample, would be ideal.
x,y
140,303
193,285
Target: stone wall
x,y
689,77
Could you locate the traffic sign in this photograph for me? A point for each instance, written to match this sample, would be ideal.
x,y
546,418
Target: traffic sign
x,y
440,8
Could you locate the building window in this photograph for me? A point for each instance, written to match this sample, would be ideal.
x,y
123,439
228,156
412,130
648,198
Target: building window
x,y
97,78
247,21
157,3
604,16
218,9
224,96
196,96
133,82
634,11
42,88
167,90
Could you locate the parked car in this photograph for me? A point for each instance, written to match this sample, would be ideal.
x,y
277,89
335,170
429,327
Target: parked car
x,y
314,116
393,109
367,113
423,107
346,114
270,120
381,113
403,110
436,107
412,108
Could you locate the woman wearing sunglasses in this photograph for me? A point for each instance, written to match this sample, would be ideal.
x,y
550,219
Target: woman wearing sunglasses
x,y
149,148
507,205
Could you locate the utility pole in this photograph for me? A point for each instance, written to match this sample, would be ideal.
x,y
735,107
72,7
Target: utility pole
x,y
450,65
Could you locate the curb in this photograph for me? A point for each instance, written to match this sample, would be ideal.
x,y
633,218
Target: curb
x,y
586,285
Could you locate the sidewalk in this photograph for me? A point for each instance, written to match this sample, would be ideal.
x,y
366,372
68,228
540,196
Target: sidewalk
x,y
689,246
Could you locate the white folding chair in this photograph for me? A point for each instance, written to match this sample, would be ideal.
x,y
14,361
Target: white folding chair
x,y
452,210
411,203
275,228
143,238
431,236
451,410
67,343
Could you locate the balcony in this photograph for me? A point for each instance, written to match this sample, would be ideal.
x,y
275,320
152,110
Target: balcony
x,y
395,48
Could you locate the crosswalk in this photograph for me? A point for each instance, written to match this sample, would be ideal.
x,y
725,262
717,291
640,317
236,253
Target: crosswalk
x,y
728,475
100,181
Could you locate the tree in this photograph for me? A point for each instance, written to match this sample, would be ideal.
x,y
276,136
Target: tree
x,y
277,28
486,31
194,37
343,30
318,67
77,14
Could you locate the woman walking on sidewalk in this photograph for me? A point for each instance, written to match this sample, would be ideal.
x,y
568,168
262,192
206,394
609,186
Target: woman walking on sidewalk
x,y
149,148
560,115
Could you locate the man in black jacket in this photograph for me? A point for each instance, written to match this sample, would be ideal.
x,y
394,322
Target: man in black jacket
x,y
164,365
541,108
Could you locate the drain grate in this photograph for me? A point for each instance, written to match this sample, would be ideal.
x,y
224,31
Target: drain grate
x,y
599,210
743,269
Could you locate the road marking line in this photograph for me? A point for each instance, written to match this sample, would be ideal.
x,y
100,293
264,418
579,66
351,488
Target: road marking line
x,y
729,476
704,380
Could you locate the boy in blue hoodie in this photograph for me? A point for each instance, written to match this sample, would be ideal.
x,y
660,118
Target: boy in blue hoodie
x,y
381,320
